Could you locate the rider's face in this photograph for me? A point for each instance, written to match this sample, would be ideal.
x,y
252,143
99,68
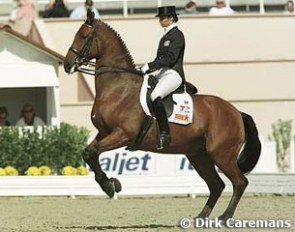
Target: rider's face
x,y
165,21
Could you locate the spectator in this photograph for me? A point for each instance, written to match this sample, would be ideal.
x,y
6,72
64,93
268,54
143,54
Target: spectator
x,y
220,9
290,7
190,8
57,9
23,16
28,117
3,116
81,11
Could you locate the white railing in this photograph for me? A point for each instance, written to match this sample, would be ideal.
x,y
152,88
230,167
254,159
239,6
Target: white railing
x,y
125,5
136,185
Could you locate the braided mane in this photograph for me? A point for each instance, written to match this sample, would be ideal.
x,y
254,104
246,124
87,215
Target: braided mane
x,y
121,42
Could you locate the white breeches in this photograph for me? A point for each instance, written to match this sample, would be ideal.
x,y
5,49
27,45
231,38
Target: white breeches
x,y
169,80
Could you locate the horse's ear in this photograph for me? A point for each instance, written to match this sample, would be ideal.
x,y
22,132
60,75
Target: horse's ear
x,y
90,17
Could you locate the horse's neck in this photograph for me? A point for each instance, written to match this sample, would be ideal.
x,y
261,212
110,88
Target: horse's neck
x,y
114,86
114,52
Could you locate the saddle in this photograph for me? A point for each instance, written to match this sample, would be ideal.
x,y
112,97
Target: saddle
x,y
178,106
168,101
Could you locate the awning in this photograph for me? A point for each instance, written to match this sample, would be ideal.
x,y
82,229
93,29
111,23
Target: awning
x,y
27,75
16,72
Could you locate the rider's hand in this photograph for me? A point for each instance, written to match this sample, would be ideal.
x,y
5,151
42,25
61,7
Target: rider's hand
x,y
145,68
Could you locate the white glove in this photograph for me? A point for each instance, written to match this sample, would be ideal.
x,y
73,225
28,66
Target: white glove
x,y
145,68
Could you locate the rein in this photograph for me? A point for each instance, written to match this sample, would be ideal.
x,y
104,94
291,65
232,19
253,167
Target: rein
x,y
106,69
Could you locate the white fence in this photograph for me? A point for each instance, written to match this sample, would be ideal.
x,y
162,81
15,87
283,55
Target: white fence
x,y
137,185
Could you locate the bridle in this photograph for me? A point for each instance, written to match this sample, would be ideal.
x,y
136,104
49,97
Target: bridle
x,y
83,57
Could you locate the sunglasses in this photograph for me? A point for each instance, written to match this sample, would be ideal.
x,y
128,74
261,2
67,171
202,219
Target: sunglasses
x,y
28,111
163,17
219,3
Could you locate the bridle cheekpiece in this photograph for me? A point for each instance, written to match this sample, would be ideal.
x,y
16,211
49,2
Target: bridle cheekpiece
x,y
83,55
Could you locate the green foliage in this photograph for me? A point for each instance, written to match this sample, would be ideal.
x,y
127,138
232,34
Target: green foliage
x,y
281,134
51,146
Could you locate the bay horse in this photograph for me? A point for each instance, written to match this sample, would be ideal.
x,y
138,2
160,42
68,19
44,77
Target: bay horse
x,y
215,137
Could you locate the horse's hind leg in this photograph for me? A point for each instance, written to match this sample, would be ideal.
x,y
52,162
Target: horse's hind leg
x,y
239,182
206,169
225,159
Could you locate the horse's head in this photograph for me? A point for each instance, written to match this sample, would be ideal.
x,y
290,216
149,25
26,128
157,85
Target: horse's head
x,y
83,48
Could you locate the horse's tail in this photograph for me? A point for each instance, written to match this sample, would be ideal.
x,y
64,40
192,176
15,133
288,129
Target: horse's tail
x,y
250,154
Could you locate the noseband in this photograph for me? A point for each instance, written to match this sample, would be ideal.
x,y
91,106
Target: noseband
x,y
83,55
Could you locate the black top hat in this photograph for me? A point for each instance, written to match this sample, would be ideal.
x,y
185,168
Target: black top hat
x,y
88,2
167,11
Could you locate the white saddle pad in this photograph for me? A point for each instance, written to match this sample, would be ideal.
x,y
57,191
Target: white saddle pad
x,y
183,110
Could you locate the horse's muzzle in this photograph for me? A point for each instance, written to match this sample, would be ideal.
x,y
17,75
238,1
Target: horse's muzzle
x,y
67,66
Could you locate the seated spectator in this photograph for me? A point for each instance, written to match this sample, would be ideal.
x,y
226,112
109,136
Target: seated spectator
x,y
28,117
57,9
290,7
23,16
220,9
3,116
81,11
190,8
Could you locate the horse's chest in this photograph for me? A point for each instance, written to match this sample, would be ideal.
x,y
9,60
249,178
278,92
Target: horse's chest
x,y
100,117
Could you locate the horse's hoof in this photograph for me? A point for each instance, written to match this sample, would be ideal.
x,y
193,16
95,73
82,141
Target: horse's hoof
x,y
108,187
200,217
223,218
117,184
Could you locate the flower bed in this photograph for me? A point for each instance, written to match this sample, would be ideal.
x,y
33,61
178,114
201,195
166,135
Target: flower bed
x,y
27,151
45,171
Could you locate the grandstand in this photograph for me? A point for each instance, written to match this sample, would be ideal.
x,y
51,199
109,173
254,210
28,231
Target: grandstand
x,y
130,7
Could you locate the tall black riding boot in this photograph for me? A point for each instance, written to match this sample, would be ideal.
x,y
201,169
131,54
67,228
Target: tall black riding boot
x,y
163,125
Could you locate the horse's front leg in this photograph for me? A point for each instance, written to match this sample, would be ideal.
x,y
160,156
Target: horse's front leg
x,y
114,140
